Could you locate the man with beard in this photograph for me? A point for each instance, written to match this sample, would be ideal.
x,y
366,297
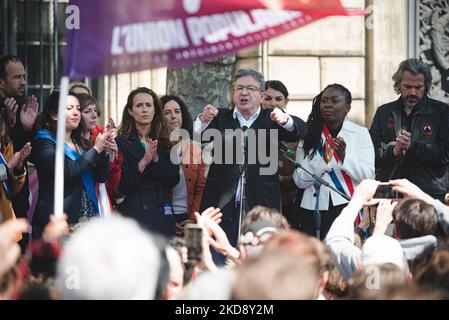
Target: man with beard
x,y
411,135
19,116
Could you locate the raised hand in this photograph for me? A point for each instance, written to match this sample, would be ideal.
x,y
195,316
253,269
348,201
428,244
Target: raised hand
x,y
339,146
209,113
111,124
113,150
328,152
206,262
278,116
28,114
212,214
217,238
148,156
153,144
111,145
9,249
403,142
25,153
100,141
384,216
11,110
363,194
19,157
410,190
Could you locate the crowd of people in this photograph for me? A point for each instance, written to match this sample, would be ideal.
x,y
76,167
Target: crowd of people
x,y
239,202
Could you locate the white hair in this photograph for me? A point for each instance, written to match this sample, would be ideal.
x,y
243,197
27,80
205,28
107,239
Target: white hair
x,y
109,259
381,249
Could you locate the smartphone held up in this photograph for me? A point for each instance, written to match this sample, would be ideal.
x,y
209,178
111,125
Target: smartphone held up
x,y
385,191
194,236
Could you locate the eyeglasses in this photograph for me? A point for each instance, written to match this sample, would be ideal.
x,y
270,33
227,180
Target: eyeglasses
x,y
250,89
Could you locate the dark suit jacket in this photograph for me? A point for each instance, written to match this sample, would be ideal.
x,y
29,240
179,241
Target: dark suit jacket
x,y
44,156
222,180
145,193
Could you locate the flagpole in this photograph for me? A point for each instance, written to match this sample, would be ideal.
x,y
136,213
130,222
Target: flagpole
x,y
58,208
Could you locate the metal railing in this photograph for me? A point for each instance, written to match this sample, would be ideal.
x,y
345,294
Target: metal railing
x,y
35,31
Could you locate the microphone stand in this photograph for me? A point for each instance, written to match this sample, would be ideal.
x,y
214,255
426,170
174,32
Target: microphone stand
x,y
317,184
242,180
242,208
317,187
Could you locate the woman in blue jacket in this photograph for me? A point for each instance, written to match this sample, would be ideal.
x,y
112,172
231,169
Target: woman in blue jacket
x,y
83,166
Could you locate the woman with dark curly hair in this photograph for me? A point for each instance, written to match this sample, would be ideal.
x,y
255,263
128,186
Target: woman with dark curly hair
x,y
147,172
339,151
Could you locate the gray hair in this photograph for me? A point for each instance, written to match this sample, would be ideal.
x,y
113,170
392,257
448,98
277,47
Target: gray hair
x,y
415,67
108,259
251,73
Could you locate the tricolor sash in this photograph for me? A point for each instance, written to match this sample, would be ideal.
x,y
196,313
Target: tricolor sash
x,y
86,177
335,179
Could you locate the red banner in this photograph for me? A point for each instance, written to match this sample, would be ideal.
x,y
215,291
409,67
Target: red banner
x,y
122,36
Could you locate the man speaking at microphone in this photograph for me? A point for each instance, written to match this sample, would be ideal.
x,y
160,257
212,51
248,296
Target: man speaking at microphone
x,y
411,135
222,186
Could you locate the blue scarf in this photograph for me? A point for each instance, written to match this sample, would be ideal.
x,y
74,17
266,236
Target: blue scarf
x,y
86,177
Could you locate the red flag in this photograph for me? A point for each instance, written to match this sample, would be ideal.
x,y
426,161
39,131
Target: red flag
x,y
124,36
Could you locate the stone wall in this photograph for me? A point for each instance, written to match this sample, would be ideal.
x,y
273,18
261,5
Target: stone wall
x,y
386,47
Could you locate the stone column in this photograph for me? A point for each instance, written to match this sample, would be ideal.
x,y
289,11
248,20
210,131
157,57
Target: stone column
x,y
204,83
386,47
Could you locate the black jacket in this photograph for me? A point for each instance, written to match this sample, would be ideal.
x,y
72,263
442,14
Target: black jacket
x,y
44,156
145,193
426,162
222,179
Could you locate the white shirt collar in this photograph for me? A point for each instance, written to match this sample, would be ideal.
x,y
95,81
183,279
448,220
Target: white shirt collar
x,y
244,122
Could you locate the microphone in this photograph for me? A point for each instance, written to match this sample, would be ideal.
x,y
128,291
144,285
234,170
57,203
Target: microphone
x,y
245,136
285,149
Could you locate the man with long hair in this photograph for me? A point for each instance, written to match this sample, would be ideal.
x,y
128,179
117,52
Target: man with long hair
x,y
411,135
